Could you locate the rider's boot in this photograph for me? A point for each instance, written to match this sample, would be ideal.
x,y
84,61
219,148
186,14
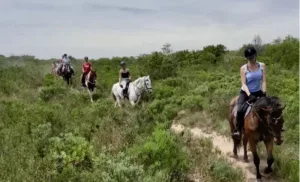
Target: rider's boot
x,y
239,124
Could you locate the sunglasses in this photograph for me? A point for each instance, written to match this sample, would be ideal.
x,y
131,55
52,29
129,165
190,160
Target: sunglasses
x,y
251,58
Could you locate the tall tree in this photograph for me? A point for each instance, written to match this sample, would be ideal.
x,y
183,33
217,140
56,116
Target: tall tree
x,y
166,49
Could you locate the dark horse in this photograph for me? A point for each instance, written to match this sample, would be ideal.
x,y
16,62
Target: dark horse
x,y
90,83
67,74
264,122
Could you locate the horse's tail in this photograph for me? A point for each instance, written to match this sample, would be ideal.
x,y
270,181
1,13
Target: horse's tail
x,y
231,117
231,120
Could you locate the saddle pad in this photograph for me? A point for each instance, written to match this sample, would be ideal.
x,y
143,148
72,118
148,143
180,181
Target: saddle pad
x,y
234,111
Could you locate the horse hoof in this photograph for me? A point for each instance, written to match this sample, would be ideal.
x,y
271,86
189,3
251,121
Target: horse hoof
x,y
268,170
259,180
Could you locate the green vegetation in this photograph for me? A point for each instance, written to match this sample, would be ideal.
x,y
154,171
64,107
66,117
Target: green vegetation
x,y
51,132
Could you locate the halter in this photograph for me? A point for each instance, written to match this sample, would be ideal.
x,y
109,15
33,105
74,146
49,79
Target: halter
x,y
276,119
147,88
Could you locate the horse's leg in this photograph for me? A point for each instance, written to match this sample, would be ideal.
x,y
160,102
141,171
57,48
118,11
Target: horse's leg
x,y
90,94
231,123
118,101
132,103
245,142
270,158
256,159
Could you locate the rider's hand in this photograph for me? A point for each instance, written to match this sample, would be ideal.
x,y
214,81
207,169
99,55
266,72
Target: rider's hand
x,y
252,98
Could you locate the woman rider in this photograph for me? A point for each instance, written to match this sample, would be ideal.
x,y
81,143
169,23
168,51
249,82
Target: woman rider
x,y
124,75
86,68
253,78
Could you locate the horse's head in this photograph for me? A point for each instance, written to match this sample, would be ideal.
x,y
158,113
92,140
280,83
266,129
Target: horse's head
x,y
148,86
276,121
93,76
273,111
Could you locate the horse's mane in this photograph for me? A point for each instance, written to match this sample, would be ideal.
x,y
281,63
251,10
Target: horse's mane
x,y
267,102
138,79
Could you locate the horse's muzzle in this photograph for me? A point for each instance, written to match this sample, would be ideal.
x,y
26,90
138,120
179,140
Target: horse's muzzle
x,y
278,140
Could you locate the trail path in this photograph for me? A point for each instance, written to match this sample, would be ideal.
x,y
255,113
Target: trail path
x,y
225,145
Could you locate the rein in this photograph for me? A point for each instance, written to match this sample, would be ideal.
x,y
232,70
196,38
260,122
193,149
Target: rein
x,y
267,124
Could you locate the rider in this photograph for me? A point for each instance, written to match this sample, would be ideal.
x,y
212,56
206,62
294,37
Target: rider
x,y
66,61
124,74
86,68
253,78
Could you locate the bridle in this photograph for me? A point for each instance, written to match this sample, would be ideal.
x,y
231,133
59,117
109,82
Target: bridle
x,y
147,88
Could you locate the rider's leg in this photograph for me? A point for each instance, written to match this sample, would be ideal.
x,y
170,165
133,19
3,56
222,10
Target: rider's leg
x,y
240,113
126,87
83,79
72,70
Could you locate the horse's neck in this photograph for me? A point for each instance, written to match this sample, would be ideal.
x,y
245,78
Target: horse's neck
x,y
259,121
139,82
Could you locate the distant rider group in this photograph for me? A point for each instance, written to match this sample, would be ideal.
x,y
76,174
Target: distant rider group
x,y
60,68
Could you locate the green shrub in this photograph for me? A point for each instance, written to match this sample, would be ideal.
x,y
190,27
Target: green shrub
x,y
68,151
49,93
193,102
161,151
223,172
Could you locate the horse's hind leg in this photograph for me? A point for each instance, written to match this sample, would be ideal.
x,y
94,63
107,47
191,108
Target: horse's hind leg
x,y
270,158
234,148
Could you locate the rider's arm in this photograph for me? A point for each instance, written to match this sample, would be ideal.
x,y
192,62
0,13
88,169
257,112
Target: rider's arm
x,y
129,76
82,68
264,79
243,79
120,72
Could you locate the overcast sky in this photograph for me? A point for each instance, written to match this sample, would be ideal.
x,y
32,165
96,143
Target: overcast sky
x,y
97,28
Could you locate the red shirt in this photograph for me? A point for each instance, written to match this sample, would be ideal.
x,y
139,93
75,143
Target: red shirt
x,y
86,67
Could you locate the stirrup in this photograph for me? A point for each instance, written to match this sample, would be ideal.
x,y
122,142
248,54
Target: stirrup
x,y
236,133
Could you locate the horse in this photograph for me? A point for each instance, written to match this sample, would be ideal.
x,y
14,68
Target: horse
x,y
66,74
135,89
90,83
263,121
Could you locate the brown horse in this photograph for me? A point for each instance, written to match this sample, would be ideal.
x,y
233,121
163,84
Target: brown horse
x,y
262,122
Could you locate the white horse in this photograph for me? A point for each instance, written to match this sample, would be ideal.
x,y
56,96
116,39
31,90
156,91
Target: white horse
x,y
90,83
135,89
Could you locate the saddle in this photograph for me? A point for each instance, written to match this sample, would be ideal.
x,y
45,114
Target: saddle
x,y
246,109
125,91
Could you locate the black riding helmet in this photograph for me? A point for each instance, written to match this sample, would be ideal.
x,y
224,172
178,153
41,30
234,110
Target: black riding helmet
x,y
86,58
250,52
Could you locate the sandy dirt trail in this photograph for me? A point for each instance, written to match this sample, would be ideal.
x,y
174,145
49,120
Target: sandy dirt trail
x,y
225,145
